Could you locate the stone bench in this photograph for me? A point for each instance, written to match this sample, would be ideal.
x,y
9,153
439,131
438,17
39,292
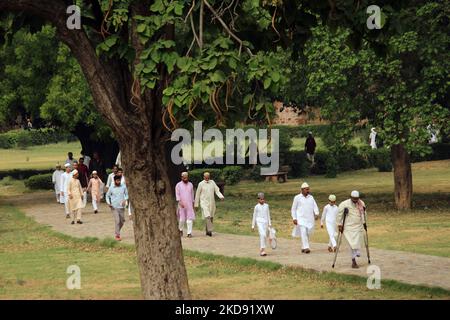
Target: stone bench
x,y
280,176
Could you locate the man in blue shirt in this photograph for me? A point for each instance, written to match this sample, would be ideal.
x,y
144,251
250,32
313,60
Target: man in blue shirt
x,y
117,197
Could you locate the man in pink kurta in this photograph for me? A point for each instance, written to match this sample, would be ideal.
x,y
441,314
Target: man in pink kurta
x,y
184,192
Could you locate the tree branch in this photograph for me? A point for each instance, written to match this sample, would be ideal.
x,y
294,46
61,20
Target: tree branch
x,y
235,37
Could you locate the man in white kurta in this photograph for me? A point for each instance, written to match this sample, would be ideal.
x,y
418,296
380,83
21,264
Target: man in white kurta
x,y
56,180
304,211
261,218
372,138
329,215
353,228
205,198
65,179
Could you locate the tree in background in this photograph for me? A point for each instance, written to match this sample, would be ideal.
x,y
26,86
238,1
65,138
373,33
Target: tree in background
x,y
401,91
153,66
39,78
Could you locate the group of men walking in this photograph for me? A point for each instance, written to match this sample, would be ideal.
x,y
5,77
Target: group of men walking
x,y
204,198
80,179
349,218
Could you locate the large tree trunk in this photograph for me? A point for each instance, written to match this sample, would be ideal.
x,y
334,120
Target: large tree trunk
x,y
158,244
138,130
403,186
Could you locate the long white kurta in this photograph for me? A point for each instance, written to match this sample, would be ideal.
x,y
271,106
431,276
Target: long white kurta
x,y
373,137
205,197
329,215
261,218
65,179
304,209
353,228
56,179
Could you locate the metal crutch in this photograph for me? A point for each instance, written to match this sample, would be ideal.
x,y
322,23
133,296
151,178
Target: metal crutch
x,y
366,236
340,237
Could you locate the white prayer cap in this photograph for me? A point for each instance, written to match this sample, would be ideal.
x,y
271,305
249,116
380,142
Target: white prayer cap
x,y
206,174
260,195
67,165
58,165
354,194
304,185
332,197
184,174
74,172
94,172
310,132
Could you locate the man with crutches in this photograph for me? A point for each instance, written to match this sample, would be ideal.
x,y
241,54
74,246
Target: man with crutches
x,y
354,224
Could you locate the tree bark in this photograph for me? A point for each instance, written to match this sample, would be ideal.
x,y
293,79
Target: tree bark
x,y
403,186
142,142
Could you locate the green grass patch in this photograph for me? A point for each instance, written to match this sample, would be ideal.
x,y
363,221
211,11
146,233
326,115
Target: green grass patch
x,y
34,259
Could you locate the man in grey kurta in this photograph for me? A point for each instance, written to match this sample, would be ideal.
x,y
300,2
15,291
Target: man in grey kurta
x,y
205,198
353,229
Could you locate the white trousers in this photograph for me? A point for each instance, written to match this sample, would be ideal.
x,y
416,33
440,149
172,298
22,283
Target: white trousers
x,y
66,205
262,230
331,229
84,199
94,204
355,253
305,233
189,224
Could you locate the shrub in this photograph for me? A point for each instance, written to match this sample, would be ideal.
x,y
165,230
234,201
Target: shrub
x,y
298,163
24,140
21,174
232,174
381,159
331,167
40,181
254,174
320,159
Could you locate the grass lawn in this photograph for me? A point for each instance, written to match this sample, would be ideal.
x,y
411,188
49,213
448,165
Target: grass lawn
x,y
34,260
37,157
425,229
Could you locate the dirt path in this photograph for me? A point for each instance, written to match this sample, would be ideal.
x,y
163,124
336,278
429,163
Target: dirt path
x,y
401,266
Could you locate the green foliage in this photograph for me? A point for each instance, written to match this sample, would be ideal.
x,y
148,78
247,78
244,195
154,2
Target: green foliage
x,y
21,174
26,66
254,173
41,181
298,163
232,174
27,138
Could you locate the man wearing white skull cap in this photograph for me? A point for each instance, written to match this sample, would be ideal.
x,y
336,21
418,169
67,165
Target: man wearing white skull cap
x,y
304,211
65,179
355,220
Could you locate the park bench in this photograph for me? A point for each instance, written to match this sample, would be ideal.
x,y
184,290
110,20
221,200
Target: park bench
x,y
280,176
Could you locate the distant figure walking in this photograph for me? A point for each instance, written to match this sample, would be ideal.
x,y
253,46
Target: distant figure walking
x,y
184,192
65,179
117,197
373,138
261,219
310,147
75,193
56,180
94,186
